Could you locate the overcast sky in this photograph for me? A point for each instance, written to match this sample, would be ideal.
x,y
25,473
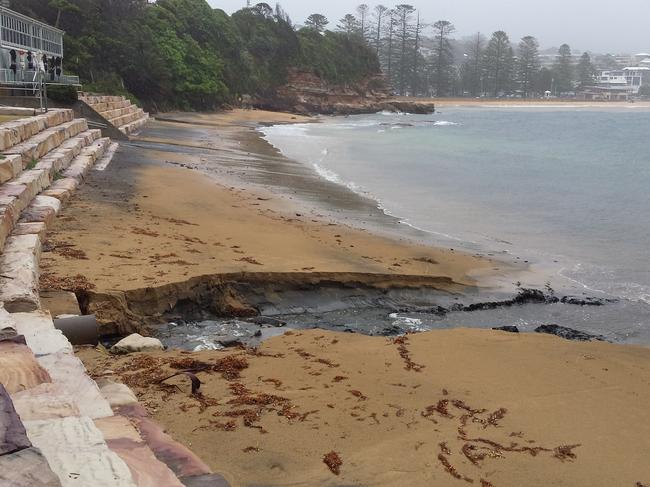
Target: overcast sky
x,y
583,24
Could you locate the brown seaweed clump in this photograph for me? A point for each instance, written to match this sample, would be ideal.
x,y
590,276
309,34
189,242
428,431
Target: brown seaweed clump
x,y
409,364
334,462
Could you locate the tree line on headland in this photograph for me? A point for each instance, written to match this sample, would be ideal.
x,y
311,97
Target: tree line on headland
x,y
183,53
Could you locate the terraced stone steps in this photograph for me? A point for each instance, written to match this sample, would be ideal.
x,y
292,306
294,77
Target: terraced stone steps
x,y
119,111
17,192
17,131
57,427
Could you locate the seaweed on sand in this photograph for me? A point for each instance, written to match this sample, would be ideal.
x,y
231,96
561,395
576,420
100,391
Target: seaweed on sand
x,y
404,352
333,462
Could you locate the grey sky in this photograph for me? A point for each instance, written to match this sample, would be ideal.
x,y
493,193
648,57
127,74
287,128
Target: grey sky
x,y
584,24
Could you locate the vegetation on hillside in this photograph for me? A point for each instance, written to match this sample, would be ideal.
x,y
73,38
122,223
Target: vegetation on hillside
x,y
185,54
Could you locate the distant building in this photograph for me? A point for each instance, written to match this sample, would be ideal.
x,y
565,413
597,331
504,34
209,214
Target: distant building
x,y
620,84
29,47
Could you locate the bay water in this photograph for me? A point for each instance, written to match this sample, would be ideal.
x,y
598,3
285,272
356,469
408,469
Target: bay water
x,y
565,189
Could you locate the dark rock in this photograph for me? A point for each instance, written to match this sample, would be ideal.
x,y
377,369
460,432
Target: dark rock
x,y
508,328
568,333
525,296
391,331
229,341
265,320
209,480
13,437
586,301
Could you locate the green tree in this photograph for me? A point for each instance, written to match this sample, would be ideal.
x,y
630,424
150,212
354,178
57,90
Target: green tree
x,y
349,25
586,72
379,14
363,11
563,70
528,64
443,57
405,41
498,61
317,21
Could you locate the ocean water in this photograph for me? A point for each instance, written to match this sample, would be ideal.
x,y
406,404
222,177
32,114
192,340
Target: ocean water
x,y
565,189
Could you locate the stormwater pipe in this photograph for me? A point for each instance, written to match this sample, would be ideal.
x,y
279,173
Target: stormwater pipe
x,y
79,330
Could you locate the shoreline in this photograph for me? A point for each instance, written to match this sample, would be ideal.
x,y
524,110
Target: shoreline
x,y
169,223
500,409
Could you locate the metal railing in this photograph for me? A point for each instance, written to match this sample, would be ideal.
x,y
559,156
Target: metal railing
x,y
21,32
20,77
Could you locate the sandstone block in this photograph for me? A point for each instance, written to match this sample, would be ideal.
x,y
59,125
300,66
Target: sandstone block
x,y
67,370
115,393
19,264
122,438
78,454
27,468
19,369
10,167
137,343
39,332
45,401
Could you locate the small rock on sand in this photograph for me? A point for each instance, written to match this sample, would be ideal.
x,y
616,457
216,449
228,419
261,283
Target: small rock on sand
x,y
137,343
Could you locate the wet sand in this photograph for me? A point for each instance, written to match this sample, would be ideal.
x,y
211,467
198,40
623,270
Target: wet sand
x,y
167,209
441,408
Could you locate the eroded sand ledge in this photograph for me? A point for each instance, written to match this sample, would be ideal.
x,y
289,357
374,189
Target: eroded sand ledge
x,y
396,410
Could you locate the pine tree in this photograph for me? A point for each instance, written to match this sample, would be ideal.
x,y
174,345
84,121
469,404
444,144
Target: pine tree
x,y
528,64
348,24
363,12
586,71
379,13
317,22
443,57
498,61
563,70
404,38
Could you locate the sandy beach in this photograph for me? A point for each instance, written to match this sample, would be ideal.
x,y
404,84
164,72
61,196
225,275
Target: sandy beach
x,y
150,221
441,408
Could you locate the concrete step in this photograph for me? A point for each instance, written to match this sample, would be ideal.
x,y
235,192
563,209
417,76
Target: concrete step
x,y
37,146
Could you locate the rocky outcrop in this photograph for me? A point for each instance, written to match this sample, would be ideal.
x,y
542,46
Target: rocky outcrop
x,y
306,94
568,333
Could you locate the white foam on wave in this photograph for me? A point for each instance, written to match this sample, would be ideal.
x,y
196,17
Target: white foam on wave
x,y
445,123
413,324
292,130
333,177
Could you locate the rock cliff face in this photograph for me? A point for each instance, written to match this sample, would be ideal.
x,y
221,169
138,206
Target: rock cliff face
x,y
305,93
